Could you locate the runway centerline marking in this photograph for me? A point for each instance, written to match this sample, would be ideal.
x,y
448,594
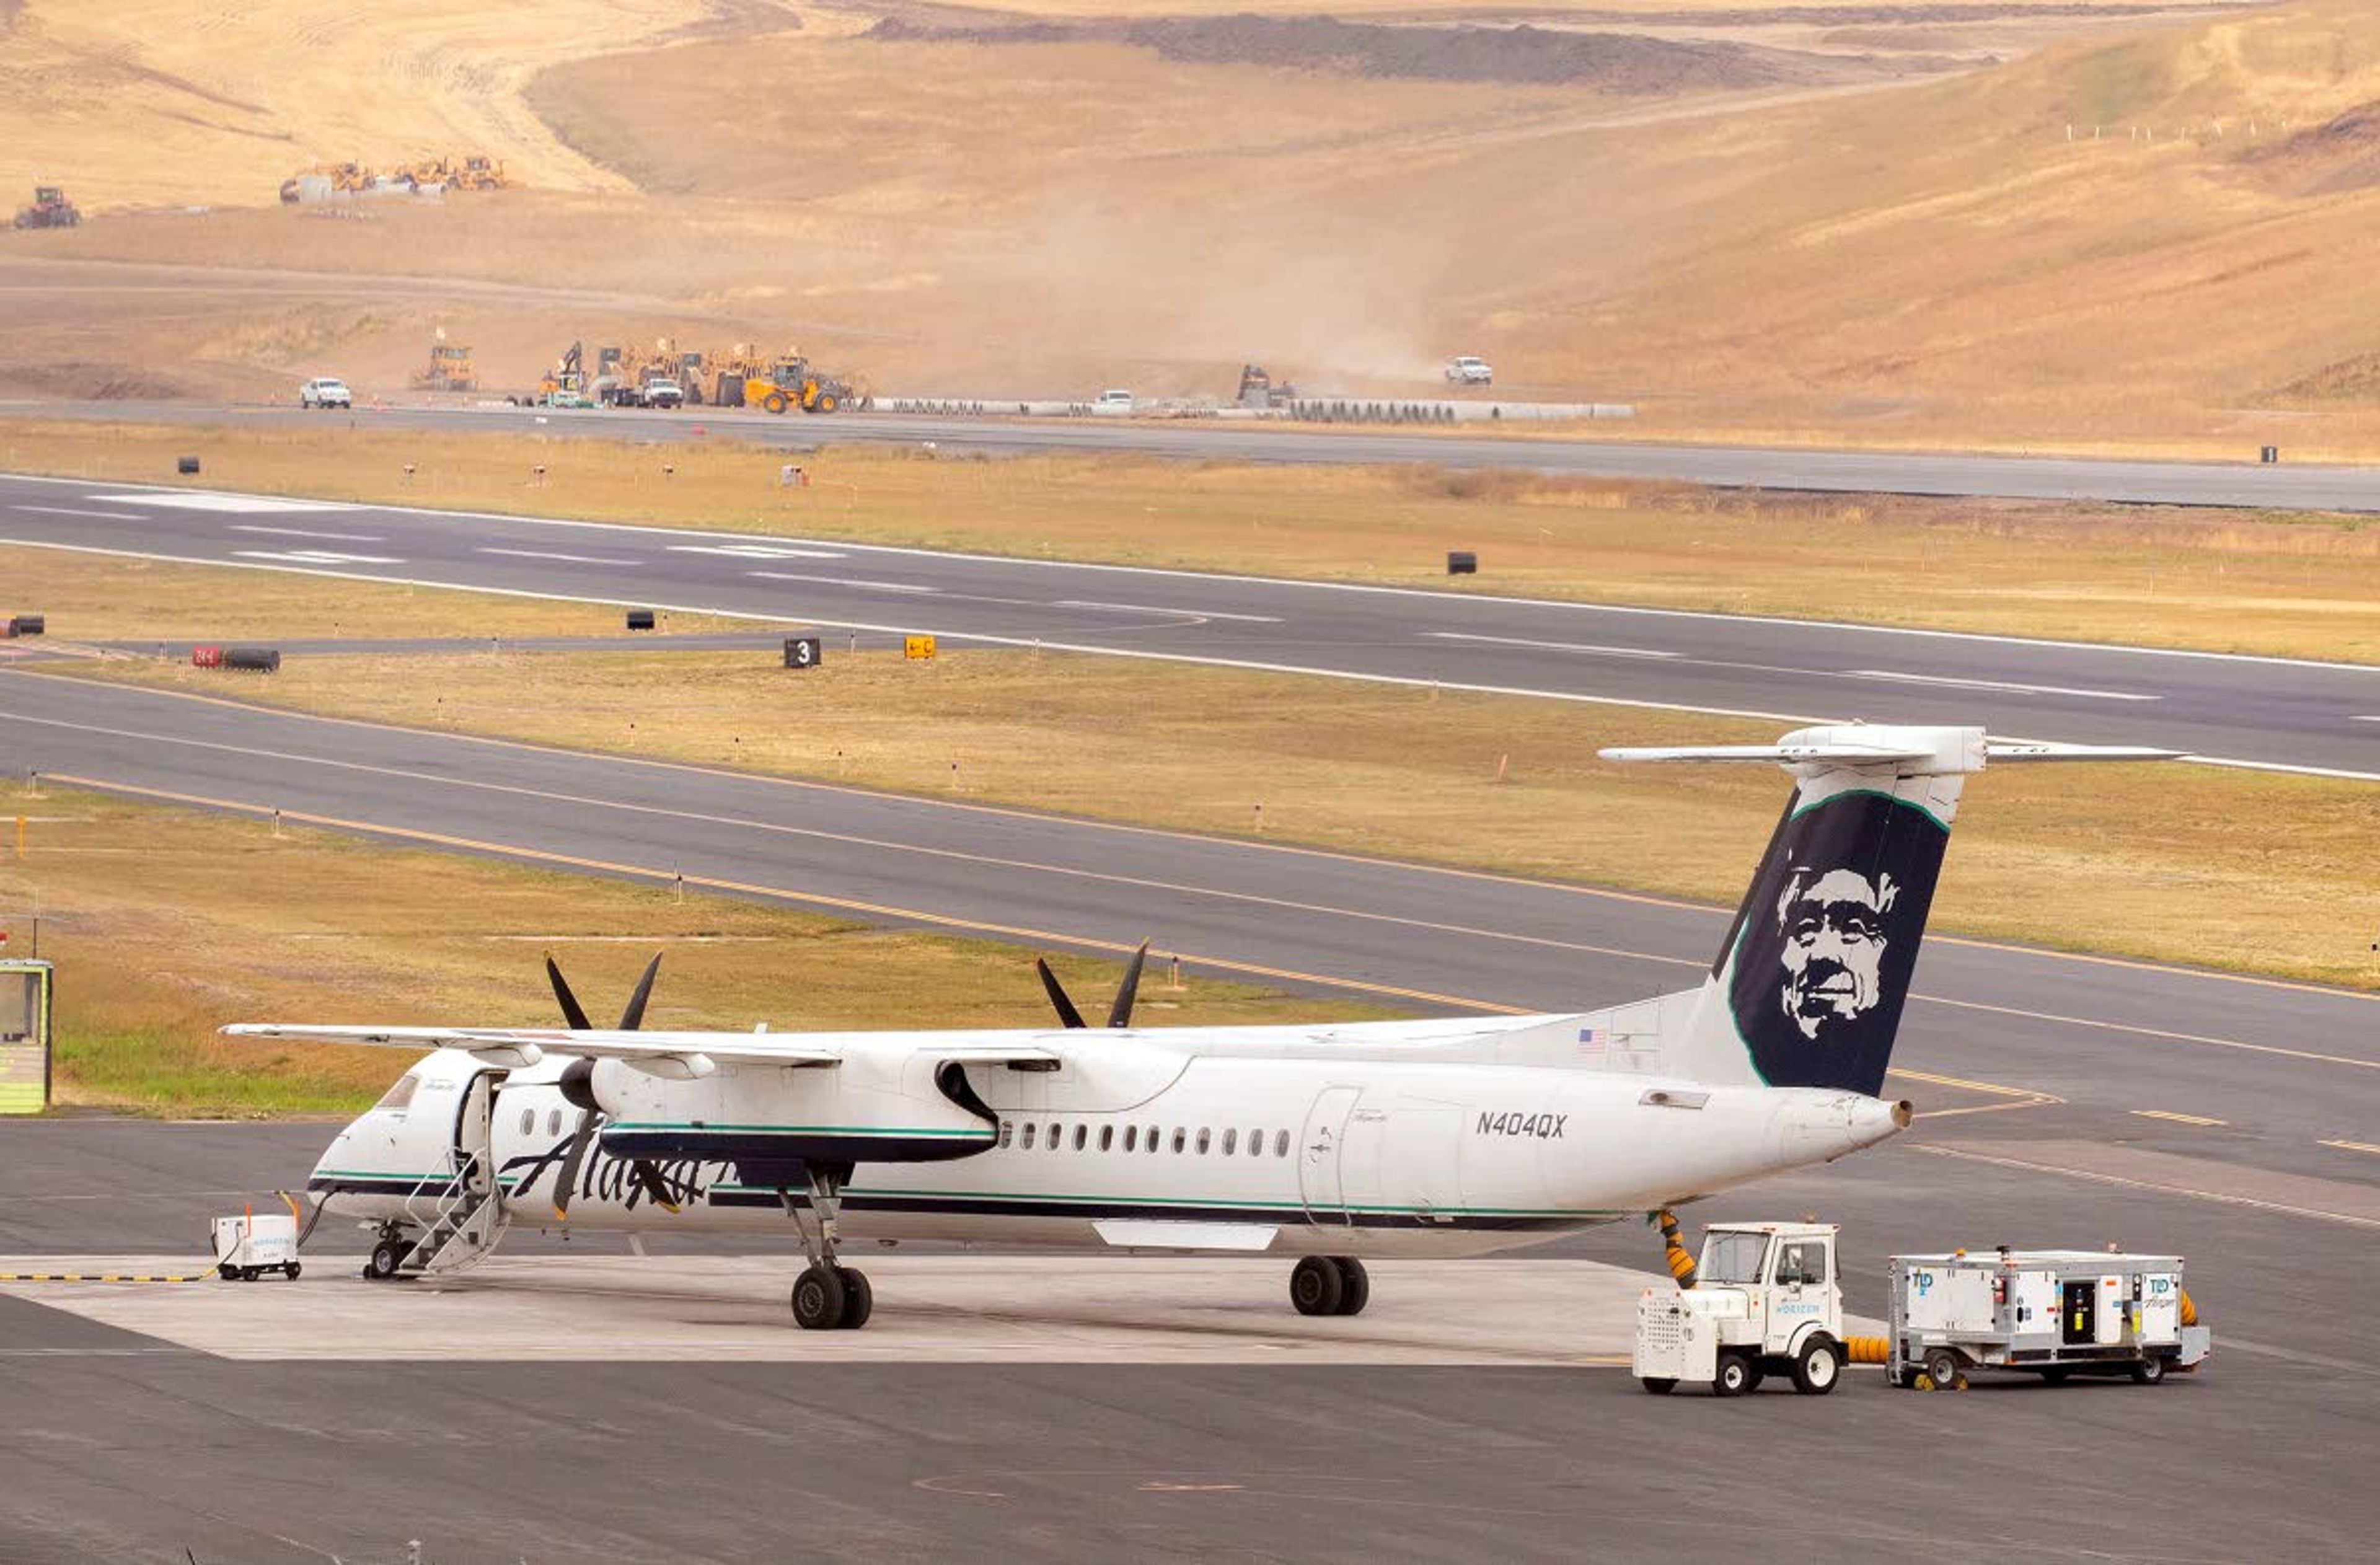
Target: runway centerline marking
x,y
860,583
1893,676
70,511
319,557
303,532
1584,647
2177,1118
545,554
1159,608
1145,653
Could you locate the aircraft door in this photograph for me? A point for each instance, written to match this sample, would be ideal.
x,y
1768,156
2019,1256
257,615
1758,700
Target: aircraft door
x,y
1319,1176
474,1130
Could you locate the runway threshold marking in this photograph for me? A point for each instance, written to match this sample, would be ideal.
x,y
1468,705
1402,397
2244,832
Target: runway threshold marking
x,y
2179,1119
782,893
2154,1187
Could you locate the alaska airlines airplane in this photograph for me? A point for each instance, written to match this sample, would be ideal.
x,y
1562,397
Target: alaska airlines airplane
x,y
1450,1137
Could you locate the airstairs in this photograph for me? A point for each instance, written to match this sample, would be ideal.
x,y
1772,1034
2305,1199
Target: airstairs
x,y
461,1221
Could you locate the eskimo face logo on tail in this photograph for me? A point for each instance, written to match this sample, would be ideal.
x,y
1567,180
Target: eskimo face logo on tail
x,y
1833,927
1828,939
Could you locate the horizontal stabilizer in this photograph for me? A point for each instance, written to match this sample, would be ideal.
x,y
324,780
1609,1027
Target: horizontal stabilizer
x,y
1780,755
2030,749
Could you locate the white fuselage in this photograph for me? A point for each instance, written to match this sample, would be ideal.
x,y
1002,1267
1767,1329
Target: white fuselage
x,y
1402,1139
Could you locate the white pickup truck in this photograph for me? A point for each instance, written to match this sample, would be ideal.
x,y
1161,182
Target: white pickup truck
x,y
325,390
1469,371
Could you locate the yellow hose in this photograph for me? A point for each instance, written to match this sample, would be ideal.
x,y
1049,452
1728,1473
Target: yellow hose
x,y
1673,1249
1866,1350
2189,1310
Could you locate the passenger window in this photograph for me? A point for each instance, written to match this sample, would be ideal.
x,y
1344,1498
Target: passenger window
x,y
1057,1137
1256,1143
529,1121
1131,1138
553,1122
1231,1142
1106,1137
1152,1138
1280,1143
1202,1141
1082,1136
1007,1132
1181,1138
400,1092
1028,1135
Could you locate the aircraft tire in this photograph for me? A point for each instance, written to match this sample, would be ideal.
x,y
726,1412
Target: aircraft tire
x,y
1316,1285
858,1298
1355,1285
386,1258
818,1299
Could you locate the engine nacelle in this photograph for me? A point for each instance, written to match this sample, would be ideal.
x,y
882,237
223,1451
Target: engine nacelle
x,y
772,1120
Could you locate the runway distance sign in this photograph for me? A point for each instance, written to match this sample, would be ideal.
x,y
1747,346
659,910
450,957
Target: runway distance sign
x,y
803,651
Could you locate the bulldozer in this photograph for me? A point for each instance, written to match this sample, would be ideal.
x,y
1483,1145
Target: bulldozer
x,y
787,381
477,172
50,210
449,367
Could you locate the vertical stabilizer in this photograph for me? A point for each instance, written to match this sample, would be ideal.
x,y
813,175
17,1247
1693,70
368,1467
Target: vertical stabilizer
x,y
1807,988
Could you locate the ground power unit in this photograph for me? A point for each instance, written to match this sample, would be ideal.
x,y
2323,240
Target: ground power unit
x,y
2051,1313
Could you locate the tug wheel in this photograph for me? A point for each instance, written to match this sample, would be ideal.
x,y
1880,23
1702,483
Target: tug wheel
x,y
1734,1377
2148,1371
1659,1385
1818,1366
1942,1369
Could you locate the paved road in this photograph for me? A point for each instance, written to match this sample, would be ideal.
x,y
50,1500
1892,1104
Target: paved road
x,y
2243,483
2260,712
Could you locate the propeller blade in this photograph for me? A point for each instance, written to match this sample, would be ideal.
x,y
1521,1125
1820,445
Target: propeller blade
x,y
1058,997
565,1183
1120,1014
634,1016
650,1178
572,1013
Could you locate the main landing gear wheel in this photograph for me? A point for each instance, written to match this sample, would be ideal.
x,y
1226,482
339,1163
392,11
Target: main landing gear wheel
x,y
819,1298
1355,1285
1817,1366
858,1298
386,1258
1317,1286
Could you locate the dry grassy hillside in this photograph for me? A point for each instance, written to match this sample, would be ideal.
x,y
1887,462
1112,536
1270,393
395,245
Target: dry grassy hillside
x,y
1818,231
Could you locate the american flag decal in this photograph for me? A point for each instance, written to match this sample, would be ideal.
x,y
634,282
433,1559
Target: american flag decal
x,y
1593,1038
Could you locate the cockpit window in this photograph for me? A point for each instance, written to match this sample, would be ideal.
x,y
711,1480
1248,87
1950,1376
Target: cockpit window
x,y
400,1093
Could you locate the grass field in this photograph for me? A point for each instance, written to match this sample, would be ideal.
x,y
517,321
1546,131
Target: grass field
x,y
166,924
2224,582
2247,871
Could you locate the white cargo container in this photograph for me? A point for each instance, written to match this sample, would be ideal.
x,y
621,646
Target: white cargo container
x,y
2051,1313
248,1246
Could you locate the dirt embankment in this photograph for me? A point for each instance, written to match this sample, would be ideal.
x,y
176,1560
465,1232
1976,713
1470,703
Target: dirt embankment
x,y
2340,154
1524,56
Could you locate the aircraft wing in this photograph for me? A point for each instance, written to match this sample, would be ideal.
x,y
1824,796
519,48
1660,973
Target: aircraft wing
x,y
518,1046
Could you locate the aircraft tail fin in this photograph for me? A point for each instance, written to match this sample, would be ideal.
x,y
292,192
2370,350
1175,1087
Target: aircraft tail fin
x,y
1807,988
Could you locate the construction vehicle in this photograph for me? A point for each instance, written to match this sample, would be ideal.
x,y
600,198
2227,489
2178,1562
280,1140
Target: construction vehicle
x,y
449,367
787,381
1765,1298
1257,390
50,210
477,172
2051,1313
565,384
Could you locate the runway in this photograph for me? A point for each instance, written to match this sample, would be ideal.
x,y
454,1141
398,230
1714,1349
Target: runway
x,y
2246,483
2257,711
